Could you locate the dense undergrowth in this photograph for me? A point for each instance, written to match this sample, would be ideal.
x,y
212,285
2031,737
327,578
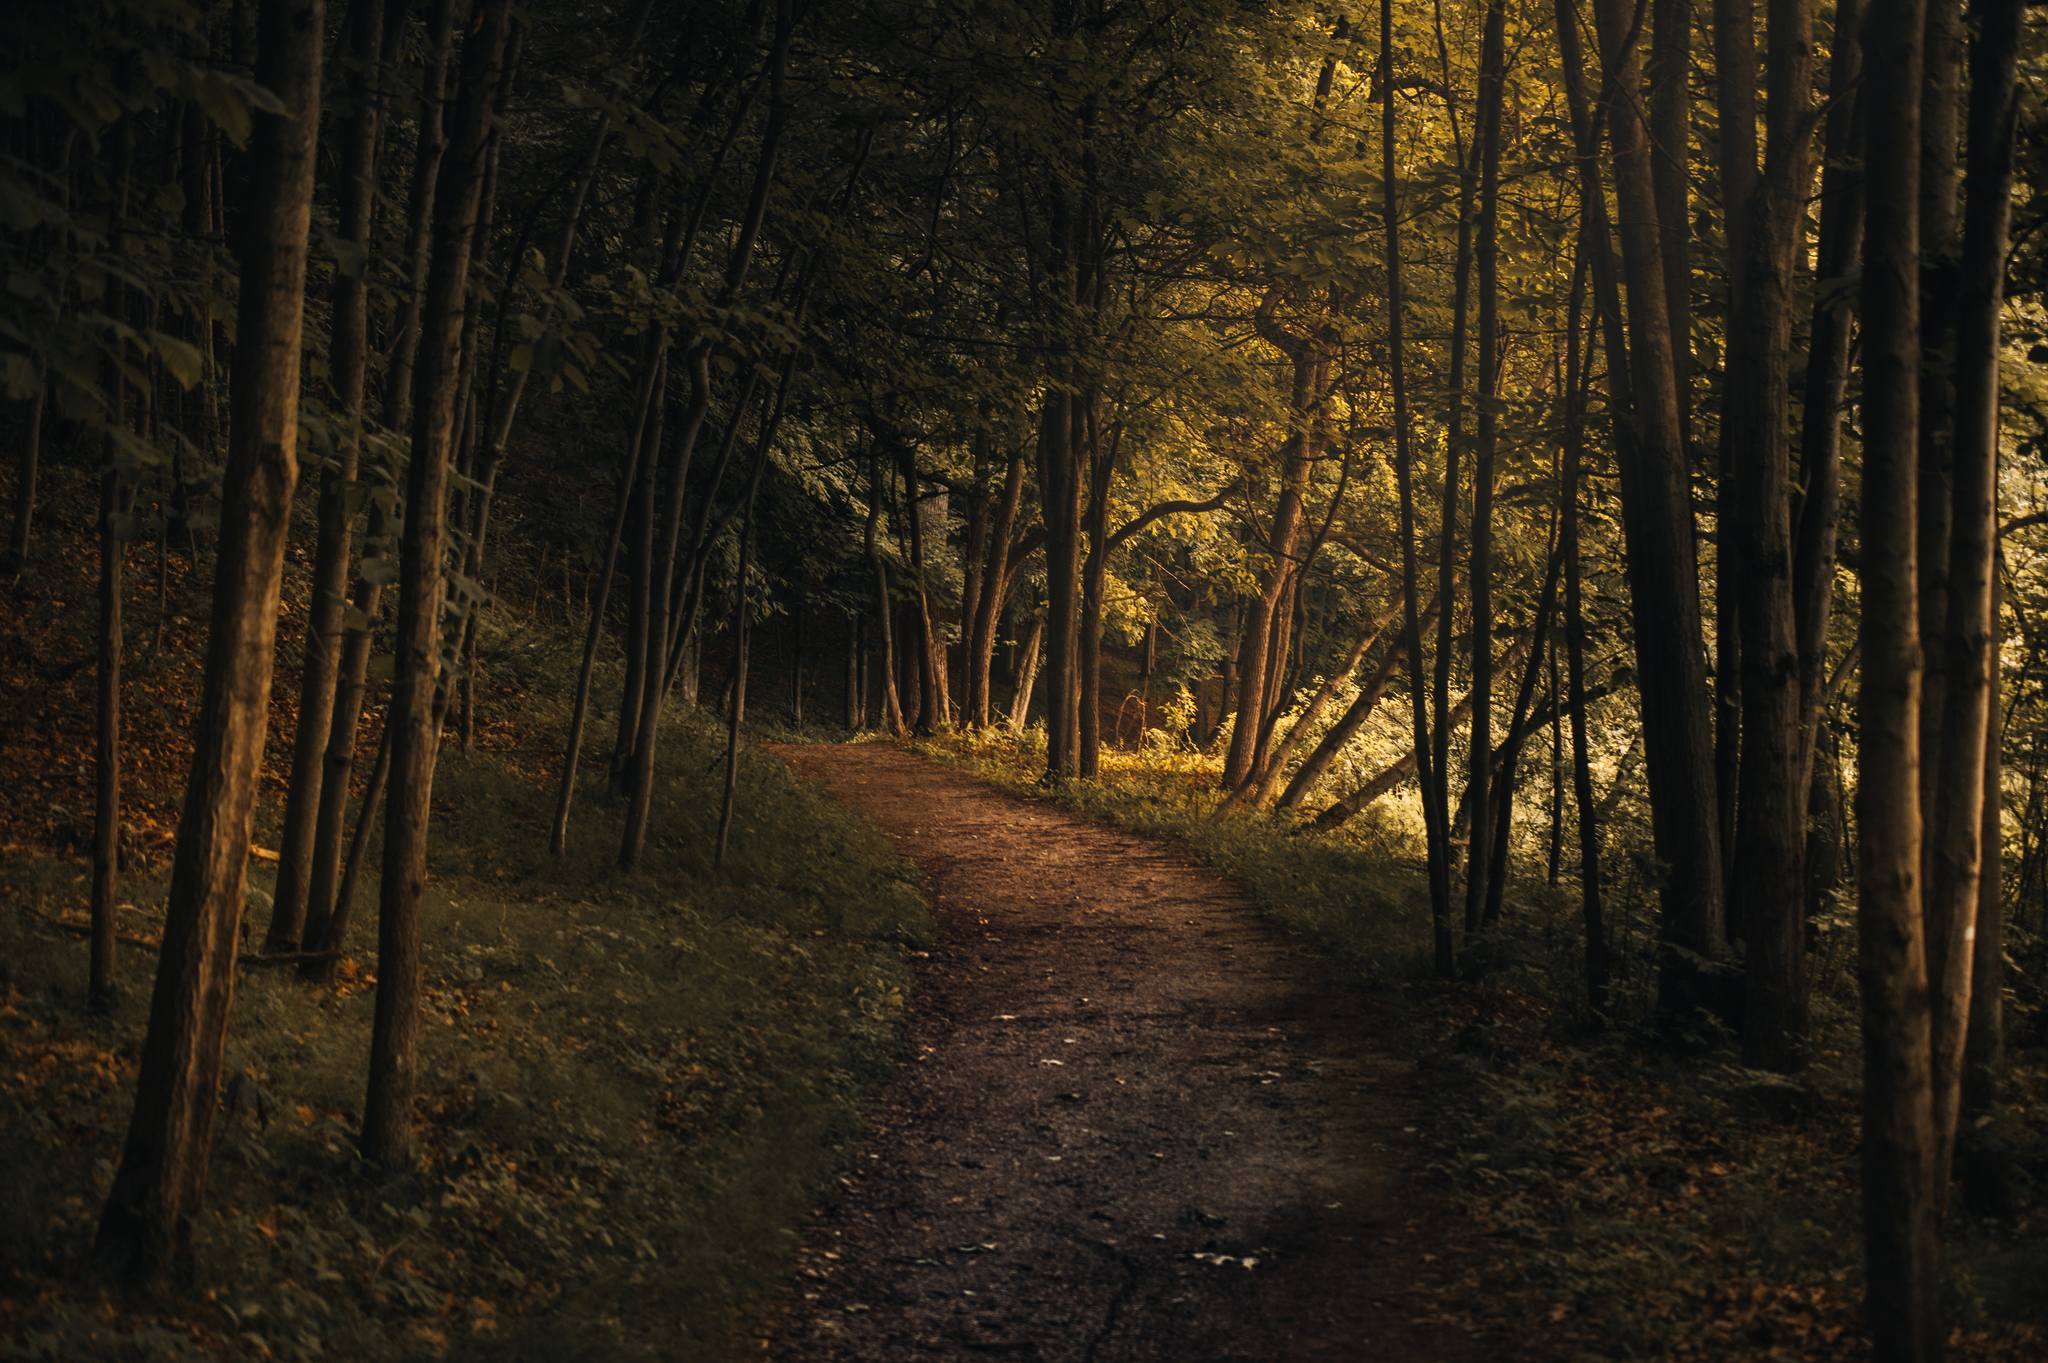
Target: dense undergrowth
x,y
1641,1194
631,1086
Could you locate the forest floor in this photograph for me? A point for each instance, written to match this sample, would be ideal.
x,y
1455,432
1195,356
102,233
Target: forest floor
x,y
1141,1123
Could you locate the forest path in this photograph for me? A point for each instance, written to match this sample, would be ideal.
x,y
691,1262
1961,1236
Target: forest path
x,y
1137,1124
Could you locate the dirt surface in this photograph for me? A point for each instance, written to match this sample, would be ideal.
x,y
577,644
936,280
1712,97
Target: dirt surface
x,y
1139,1123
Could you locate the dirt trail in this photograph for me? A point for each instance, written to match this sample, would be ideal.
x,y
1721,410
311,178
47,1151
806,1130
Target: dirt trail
x,y
1139,1123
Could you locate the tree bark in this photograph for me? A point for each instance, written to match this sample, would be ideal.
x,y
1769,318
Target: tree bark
x,y
1757,433
1574,398
885,635
993,582
1961,853
387,1108
1492,79
145,1228
322,934
348,359
1020,702
1662,574
1827,373
1317,764
1901,1242
1259,794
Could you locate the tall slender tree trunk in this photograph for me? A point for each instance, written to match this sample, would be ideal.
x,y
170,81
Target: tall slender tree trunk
x,y
1940,96
1901,1238
115,501
1492,80
1059,481
1963,855
885,636
387,1109
1661,563
593,636
1757,425
1443,942
326,912
145,1228
348,360
1670,125
1735,92
1827,374
1574,399
1439,759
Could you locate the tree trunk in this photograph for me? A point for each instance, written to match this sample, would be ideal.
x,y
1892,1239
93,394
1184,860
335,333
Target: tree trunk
x,y
885,635
1660,561
1317,763
1757,430
1961,852
1059,481
1443,941
387,1109
1492,78
1401,770
856,713
1261,793
115,502
593,635
1902,1249
1574,396
1940,109
1827,373
1502,798
1297,461
145,1228
1671,136
1020,702
348,358
994,583
1735,34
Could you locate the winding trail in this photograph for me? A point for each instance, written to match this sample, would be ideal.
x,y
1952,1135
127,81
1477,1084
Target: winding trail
x,y
1138,1122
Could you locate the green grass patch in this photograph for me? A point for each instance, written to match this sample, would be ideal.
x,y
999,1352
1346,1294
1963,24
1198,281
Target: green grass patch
x,y
631,1087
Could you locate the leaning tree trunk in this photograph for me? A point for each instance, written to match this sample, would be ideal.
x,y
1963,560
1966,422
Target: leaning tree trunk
x,y
387,1108
993,583
1027,675
145,1228
1901,1236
